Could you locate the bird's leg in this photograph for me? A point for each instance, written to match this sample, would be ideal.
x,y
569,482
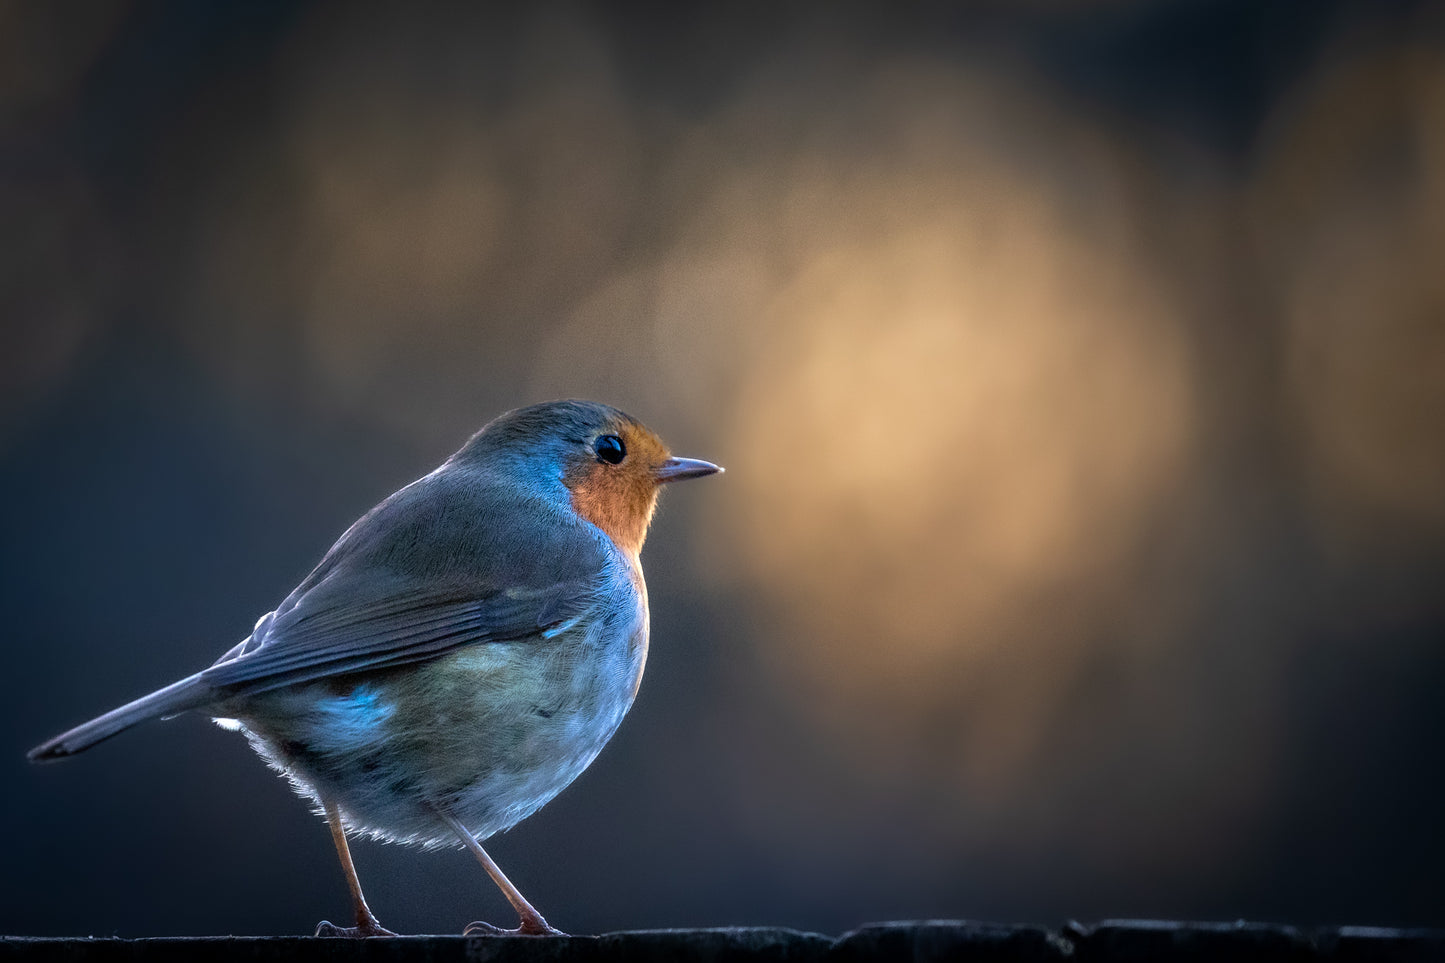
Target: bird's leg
x,y
531,923
366,924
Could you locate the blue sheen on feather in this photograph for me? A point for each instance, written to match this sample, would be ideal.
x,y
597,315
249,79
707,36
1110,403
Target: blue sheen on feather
x,y
354,716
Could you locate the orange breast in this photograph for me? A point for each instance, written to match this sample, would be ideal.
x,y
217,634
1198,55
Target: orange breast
x,y
619,501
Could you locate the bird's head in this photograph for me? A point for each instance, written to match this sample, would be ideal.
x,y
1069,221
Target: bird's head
x,y
609,463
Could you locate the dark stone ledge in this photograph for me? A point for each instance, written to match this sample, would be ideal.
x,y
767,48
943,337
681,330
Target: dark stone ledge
x,y
1113,940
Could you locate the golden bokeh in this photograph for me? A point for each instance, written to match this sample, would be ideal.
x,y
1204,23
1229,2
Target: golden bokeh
x,y
1350,211
959,400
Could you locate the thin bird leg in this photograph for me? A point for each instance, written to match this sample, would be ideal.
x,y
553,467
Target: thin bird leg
x,y
532,923
366,923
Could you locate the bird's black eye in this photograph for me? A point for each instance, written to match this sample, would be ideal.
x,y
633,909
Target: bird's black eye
x,y
610,449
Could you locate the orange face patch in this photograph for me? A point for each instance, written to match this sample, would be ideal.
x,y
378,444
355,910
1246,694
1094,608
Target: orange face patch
x,y
620,498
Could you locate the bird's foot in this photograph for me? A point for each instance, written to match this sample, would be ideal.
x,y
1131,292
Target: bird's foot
x,y
363,929
529,926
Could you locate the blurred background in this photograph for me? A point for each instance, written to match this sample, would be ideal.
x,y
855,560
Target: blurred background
x,y
1078,367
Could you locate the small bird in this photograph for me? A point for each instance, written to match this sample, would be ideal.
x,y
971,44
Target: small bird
x,y
461,653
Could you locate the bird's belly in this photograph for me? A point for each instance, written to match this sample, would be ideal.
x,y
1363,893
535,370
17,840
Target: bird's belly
x,y
488,733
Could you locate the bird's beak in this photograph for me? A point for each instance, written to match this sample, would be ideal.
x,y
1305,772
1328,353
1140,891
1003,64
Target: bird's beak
x,y
677,469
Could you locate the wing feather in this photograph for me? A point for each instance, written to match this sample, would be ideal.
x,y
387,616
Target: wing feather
x,y
301,645
451,560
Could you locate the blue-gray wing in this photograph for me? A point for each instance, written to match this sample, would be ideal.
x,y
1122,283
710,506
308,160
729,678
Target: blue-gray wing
x,y
304,644
443,564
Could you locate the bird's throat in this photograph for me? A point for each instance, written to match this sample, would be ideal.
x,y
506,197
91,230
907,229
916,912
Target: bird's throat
x,y
623,512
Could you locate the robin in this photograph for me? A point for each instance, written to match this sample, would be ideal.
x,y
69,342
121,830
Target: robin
x,y
461,653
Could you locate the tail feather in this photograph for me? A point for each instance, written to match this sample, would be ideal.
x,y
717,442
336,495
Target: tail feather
x,y
189,693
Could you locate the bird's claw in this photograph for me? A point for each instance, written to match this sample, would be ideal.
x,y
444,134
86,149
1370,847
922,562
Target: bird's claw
x,y
362,930
528,927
